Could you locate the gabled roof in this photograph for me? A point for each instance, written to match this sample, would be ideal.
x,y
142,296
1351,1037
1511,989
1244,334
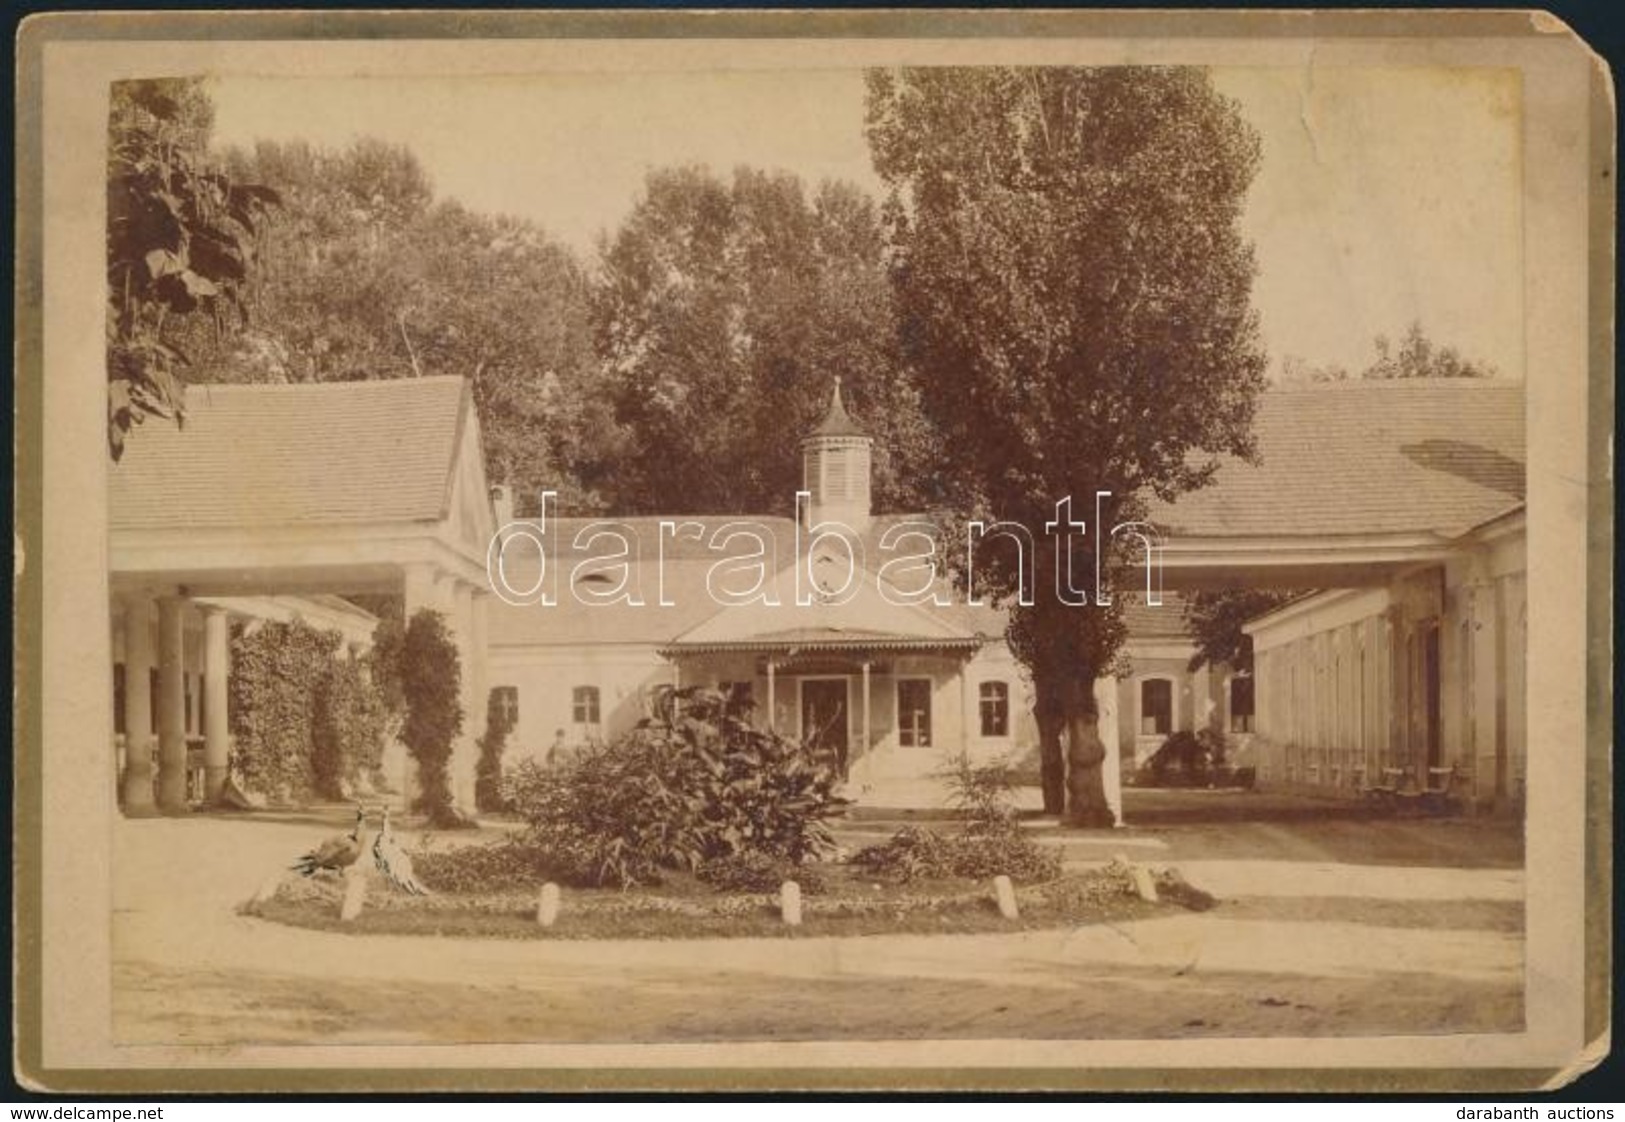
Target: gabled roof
x,y
694,616
1432,456
302,454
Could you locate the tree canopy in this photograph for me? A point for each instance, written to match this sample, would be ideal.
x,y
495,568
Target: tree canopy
x,y
182,242
1074,293
1416,356
371,277
725,309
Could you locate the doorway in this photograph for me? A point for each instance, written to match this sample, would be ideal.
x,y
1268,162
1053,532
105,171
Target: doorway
x,y
824,717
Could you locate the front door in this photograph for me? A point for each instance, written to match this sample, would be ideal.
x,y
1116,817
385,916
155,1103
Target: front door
x,y
824,717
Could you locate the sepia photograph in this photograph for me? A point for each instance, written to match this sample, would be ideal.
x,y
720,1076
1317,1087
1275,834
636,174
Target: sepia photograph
x,y
809,553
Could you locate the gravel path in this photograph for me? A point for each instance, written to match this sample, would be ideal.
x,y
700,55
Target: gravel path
x,y
190,970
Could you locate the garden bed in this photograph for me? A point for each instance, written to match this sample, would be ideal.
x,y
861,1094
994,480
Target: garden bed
x,y
684,908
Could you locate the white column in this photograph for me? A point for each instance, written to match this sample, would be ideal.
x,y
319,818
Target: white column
x,y
1111,768
1488,687
772,701
172,705
216,674
966,707
868,741
478,638
138,655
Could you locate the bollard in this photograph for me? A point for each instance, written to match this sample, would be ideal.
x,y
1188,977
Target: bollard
x,y
355,893
547,908
1143,884
790,903
1006,895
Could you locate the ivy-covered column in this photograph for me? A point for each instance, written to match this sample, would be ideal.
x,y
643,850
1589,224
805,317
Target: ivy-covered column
x,y
465,752
137,785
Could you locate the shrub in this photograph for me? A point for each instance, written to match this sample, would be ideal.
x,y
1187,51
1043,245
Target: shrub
x,y
429,679
503,866
915,853
758,872
990,843
693,782
488,771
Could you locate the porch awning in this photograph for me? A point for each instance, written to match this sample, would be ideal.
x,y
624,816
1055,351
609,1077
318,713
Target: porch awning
x,y
808,640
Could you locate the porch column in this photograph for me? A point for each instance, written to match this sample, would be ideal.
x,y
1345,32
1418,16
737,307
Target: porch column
x,y
772,703
1111,768
866,740
172,705
216,671
137,783
967,710
478,630
1489,737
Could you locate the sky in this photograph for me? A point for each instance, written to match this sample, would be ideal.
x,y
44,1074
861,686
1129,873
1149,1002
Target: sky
x,y
1386,195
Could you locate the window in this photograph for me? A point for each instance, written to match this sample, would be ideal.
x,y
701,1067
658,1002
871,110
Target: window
x,y
1156,707
914,712
1241,704
995,709
186,683
118,697
584,705
154,699
505,705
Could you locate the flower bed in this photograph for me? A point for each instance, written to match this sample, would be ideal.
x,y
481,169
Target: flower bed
x,y
684,907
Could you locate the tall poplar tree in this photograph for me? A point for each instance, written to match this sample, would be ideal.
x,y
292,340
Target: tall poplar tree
x,y
1074,295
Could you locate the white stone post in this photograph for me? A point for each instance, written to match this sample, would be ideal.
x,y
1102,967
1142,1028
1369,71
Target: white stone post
x,y
216,675
138,655
172,705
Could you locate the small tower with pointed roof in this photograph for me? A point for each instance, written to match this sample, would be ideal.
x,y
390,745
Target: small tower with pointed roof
x,y
835,467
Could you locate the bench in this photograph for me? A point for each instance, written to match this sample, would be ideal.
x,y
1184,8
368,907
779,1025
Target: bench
x,y
1393,786
1439,796
1398,789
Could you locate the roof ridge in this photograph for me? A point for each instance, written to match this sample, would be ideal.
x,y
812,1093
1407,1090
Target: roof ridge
x,y
313,387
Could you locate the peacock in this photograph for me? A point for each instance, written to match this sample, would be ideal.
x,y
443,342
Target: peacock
x,y
336,853
394,862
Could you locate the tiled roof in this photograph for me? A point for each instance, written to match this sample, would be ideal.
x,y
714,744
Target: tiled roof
x,y
1164,621
293,455
688,561
1367,457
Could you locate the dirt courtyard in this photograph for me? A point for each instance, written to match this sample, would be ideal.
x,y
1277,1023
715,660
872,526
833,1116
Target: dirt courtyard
x,y
1328,924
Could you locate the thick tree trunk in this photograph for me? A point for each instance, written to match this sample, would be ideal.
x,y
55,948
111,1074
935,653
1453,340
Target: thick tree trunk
x,y
1085,783
1052,756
